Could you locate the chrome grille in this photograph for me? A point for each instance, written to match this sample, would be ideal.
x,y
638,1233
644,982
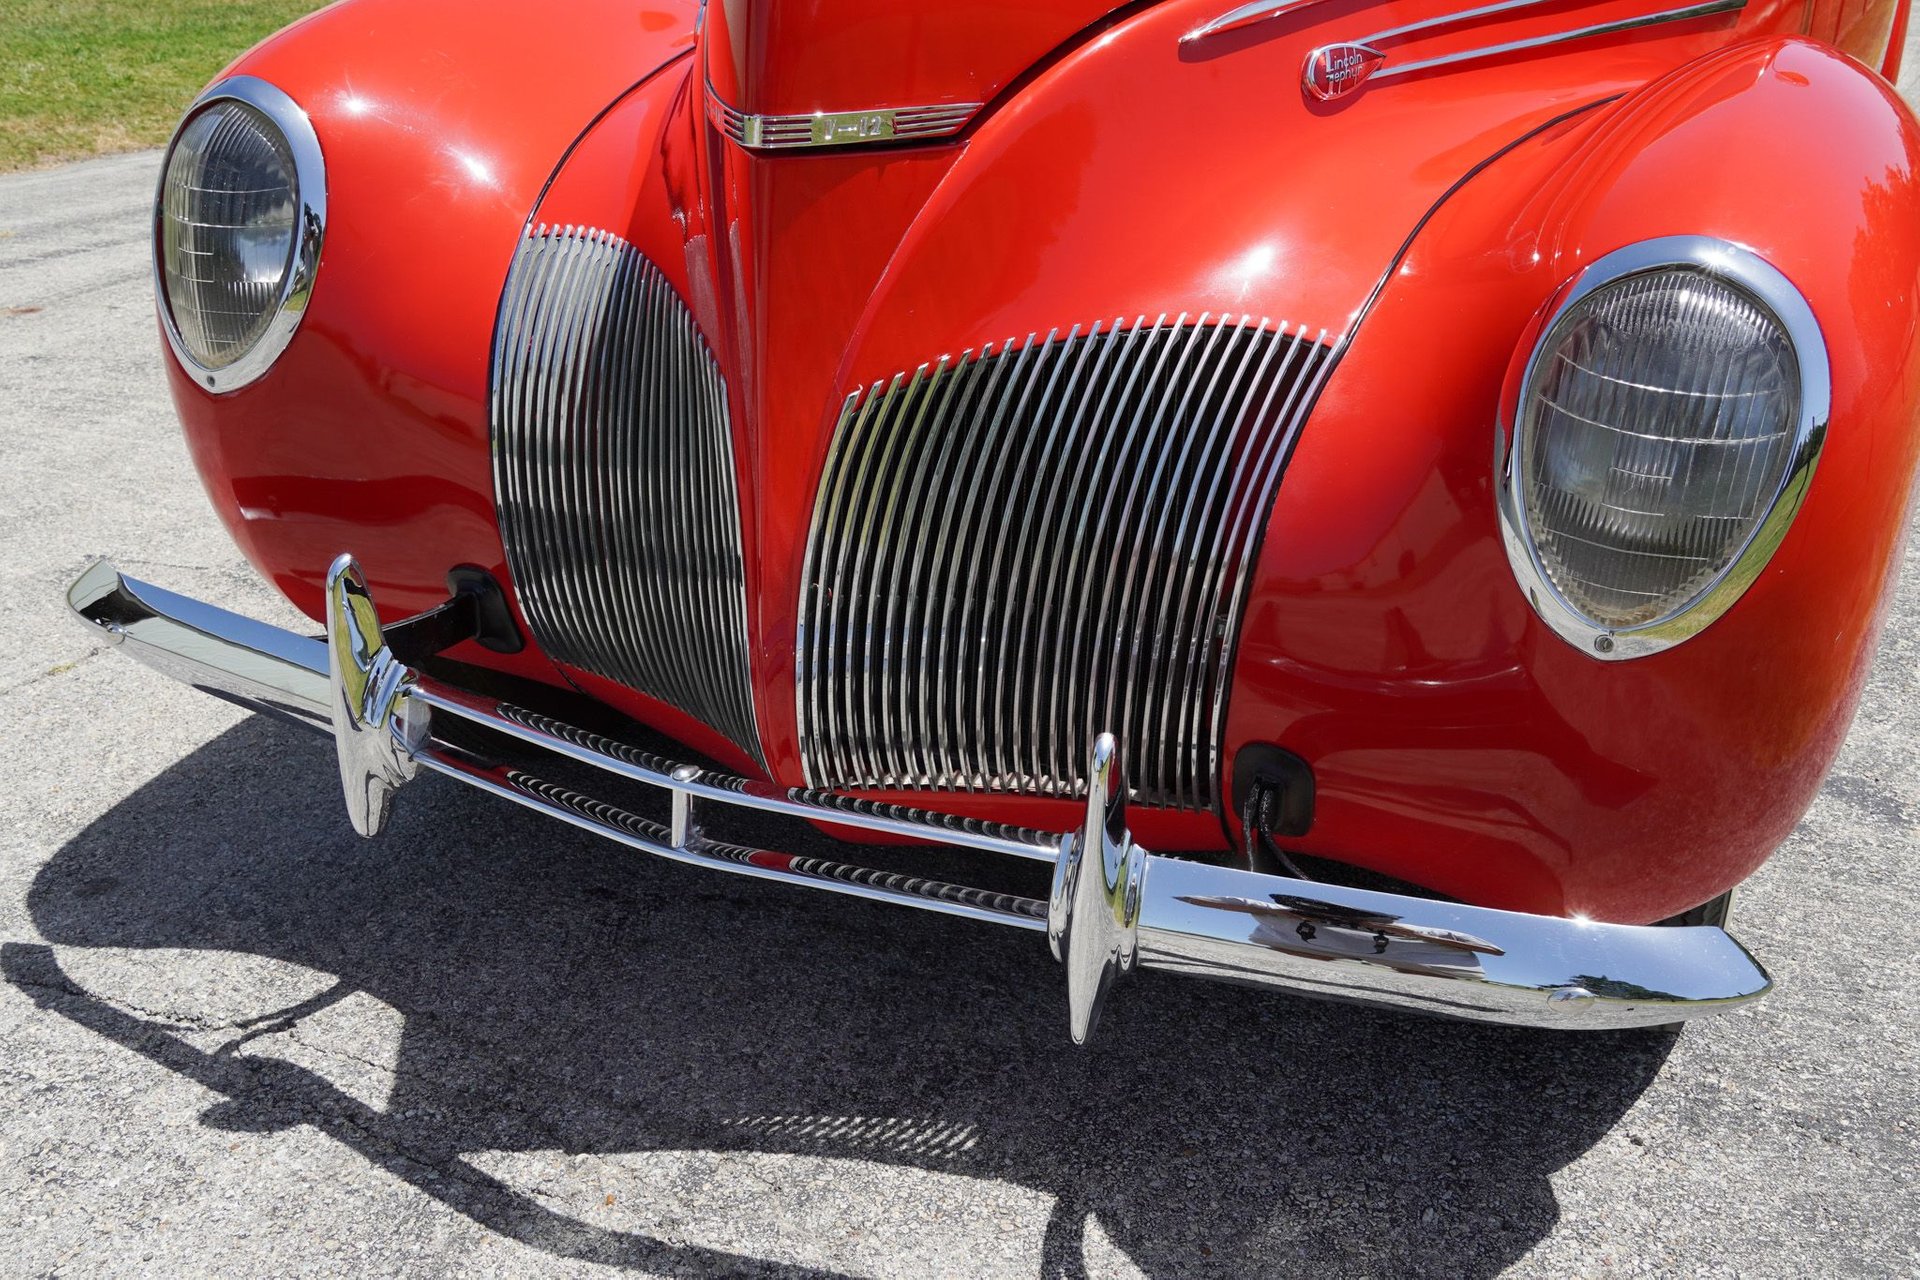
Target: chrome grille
x,y
1019,548
614,475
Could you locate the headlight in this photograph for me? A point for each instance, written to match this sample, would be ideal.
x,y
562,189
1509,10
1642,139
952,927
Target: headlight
x,y
238,226
1667,426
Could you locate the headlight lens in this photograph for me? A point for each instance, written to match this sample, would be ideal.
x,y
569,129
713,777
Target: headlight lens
x,y
1663,415
227,231
238,230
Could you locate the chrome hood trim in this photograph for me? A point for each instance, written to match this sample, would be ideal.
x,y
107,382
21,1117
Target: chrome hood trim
x,y
863,126
1336,70
1342,67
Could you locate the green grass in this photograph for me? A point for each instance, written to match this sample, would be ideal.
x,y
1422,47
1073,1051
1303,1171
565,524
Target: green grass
x,y
83,77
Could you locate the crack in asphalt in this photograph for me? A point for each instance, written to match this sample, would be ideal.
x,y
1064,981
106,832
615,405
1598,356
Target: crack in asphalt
x,y
55,672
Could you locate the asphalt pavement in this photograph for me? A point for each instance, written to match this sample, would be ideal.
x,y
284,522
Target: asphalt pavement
x,y
235,1038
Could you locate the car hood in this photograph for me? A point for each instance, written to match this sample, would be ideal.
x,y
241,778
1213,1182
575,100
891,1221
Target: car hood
x,y
1129,173
775,57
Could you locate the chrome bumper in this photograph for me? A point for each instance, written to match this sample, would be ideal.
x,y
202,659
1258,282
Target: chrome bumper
x,y
1113,906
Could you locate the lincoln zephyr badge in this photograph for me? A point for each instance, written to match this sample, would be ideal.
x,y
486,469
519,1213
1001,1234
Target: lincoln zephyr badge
x,y
1335,70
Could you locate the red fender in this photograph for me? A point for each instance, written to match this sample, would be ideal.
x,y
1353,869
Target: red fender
x,y
1459,743
439,132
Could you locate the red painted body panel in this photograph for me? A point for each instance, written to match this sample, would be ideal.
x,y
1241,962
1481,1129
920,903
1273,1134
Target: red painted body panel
x,y
1456,740
441,121
1458,743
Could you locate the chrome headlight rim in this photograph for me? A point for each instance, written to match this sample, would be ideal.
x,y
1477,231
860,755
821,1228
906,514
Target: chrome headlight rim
x,y
1726,262
310,198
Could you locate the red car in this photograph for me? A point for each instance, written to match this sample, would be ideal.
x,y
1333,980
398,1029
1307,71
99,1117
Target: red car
x,y
1455,456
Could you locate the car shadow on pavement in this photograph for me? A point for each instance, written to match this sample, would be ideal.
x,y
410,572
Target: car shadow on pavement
x,y
558,994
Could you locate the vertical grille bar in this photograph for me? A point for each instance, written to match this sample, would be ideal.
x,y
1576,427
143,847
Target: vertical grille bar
x,y
614,476
1029,544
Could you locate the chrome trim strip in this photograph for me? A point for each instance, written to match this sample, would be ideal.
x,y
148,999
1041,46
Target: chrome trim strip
x,y
614,478
862,127
310,183
1246,15
1458,16
1664,16
603,818
1766,285
1336,70
1113,906
1017,547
